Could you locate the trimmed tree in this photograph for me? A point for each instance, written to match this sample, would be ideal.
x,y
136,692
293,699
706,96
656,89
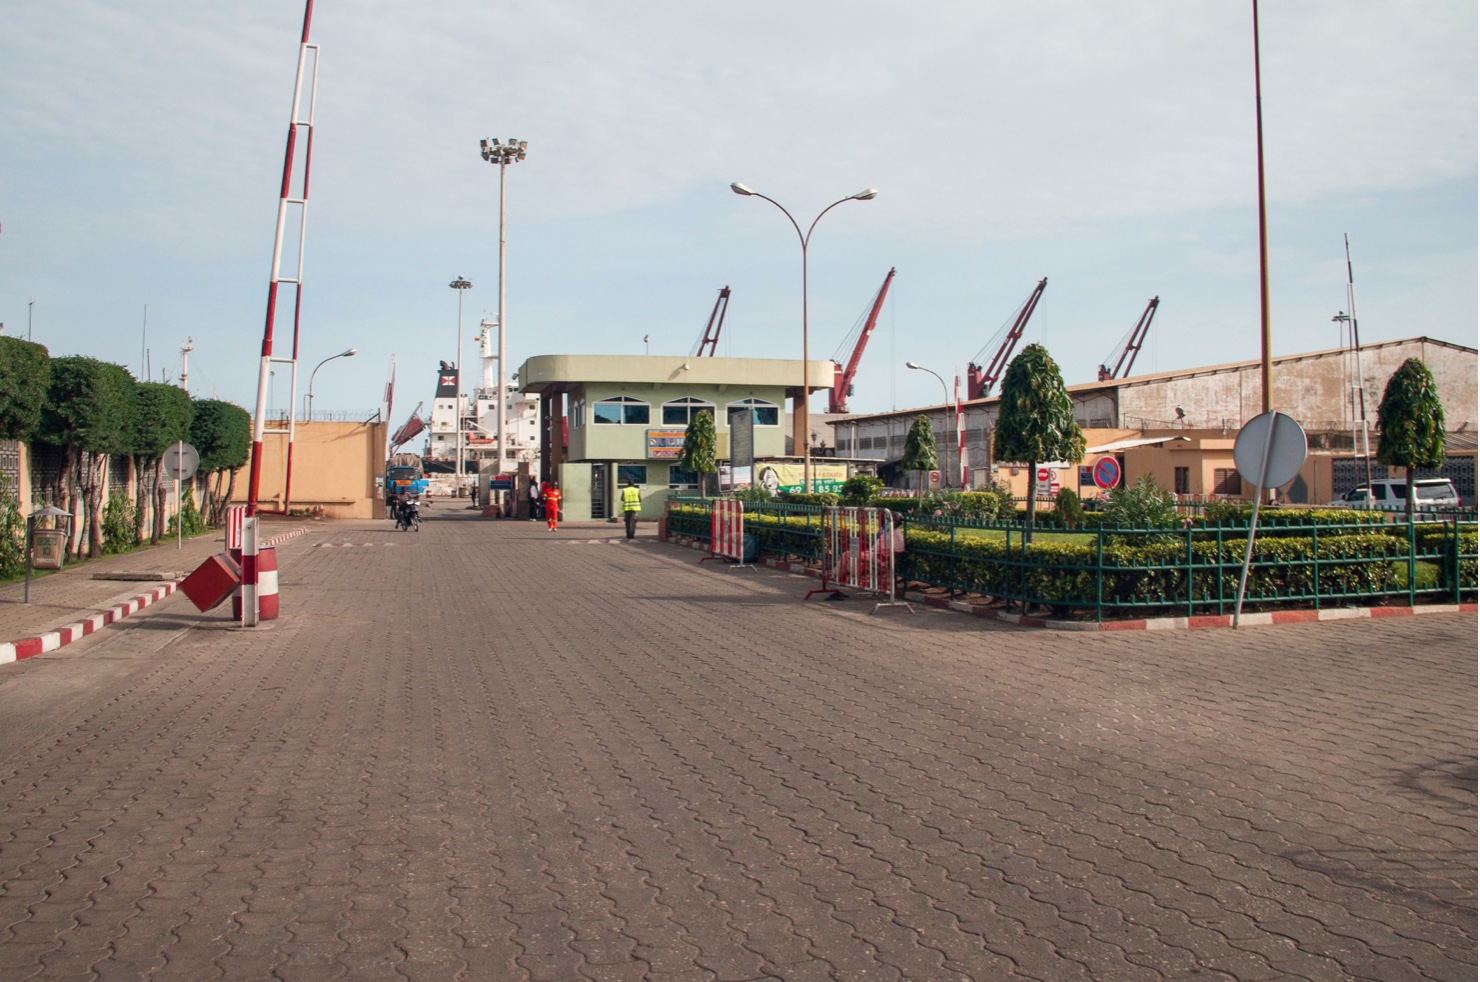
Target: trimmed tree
x,y
919,447
1411,421
1035,418
25,374
161,417
87,413
221,433
700,447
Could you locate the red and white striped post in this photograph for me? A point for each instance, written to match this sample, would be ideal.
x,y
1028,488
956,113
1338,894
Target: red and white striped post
x,y
249,572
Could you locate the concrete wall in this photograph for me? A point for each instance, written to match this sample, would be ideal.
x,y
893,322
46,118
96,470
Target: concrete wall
x,y
1312,388
334,468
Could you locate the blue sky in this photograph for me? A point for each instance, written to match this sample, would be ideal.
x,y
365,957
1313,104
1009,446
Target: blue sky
x,y
1107,147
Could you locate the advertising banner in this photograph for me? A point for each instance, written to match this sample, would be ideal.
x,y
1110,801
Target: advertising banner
x,y
664,444
789,477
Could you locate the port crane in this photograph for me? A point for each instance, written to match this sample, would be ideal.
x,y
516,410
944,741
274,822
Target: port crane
x,y
710,338
979,382
837,398
1130,345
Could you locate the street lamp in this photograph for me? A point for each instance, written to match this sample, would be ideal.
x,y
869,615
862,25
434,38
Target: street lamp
x,y
799,429
945,401
502,154
346,353
459,285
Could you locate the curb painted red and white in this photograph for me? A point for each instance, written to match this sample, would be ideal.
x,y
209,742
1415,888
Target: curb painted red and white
x,y
1196,621
52,640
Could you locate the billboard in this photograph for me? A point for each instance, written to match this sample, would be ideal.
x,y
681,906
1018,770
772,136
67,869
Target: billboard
x,y
664,444
788,477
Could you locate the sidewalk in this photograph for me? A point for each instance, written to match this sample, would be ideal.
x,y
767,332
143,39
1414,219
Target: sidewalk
x,y
75,595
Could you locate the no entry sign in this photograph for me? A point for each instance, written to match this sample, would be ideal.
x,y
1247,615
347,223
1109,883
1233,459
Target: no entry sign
x,y
1107,473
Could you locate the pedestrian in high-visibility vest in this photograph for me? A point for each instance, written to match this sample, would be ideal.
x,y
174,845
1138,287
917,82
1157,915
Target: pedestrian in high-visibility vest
x,y
631,505
552,505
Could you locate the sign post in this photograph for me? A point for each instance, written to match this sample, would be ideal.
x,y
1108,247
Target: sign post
x,y
1269,452
180,462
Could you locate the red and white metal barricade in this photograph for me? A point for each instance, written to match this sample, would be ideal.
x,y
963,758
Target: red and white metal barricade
x,y
727,531
235,514
858,547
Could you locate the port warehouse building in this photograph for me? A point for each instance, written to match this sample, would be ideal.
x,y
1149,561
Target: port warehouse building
x,y
1179,427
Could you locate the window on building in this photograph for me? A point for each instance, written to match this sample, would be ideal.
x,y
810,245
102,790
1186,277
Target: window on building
x,y
621,410
636,473
680,412
577,413
762,413
680,479
1226,481
1181,480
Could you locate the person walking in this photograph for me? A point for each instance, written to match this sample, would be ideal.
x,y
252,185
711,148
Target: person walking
x,y
552,505
631,505
534,499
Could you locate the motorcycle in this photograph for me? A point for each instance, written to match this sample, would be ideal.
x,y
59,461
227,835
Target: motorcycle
x,y
408,516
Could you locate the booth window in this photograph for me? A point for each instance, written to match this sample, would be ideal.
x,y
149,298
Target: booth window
x,y
681,412
762,413
636,473
682,480
621,410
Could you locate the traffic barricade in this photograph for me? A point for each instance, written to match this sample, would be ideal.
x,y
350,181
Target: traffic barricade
x,y
858,548
267,587
727,532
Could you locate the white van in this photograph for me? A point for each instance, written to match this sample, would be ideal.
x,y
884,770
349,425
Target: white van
x,y
1392,495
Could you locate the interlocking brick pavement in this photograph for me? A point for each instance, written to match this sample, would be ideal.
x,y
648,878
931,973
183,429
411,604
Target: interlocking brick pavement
x,y
488,751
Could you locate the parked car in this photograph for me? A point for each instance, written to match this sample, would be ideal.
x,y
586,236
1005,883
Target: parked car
x,y
1392,495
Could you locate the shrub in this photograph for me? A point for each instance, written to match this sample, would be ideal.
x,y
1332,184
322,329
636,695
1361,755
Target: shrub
x,y
119,524
12,533
1067,509
822,499
1144,504
860,489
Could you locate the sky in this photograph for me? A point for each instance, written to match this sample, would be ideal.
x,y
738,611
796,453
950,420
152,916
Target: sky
x,y
1107,147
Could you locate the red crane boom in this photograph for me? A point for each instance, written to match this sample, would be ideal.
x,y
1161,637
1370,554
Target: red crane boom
x,y
712,329
979,383
837,399
1131,346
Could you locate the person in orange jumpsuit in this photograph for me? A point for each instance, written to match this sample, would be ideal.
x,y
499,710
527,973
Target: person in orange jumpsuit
x,y
551,498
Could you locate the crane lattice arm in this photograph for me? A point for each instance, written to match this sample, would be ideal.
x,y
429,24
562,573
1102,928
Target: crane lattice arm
x,y
837,399
1130,345
978,382
711,330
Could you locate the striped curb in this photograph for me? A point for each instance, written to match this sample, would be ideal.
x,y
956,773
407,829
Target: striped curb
x,y
52,640
1149,623
301,530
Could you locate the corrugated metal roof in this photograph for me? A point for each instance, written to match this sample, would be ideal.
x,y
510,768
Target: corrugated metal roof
x,y
1143,441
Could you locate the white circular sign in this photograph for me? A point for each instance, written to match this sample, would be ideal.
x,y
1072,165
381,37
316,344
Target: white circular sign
x,y
1277,436
180,461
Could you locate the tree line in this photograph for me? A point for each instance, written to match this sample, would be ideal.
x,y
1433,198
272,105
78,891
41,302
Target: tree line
x,y
92,410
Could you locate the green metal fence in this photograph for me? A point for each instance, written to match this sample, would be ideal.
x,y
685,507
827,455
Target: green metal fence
x,y
1109,573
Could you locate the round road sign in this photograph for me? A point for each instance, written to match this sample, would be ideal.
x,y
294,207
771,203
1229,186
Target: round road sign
x,y
1276,436
1107,473
180,461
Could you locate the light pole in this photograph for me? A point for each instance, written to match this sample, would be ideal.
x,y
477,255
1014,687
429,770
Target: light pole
x,y
502,154
945,401
799,428
346,353
459,285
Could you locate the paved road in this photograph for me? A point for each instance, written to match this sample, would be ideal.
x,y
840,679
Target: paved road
x,y
487,751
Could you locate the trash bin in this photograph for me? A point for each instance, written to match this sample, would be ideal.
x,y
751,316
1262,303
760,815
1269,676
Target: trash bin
x,y
749,548
48,548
